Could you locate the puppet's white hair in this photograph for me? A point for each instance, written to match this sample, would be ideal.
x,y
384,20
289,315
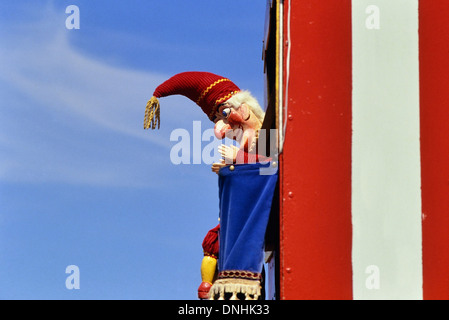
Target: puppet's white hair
x,y
246,97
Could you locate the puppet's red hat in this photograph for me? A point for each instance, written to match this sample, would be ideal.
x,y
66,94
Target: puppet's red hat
x,y
206,89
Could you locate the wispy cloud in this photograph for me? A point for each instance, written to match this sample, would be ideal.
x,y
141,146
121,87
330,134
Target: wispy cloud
x,y
42,74
40,63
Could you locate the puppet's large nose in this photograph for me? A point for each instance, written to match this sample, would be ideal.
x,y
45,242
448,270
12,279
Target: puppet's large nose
x,y
235,118
220,129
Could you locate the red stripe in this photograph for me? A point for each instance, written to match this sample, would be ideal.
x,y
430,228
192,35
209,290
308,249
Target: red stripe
x,y
316,230
434,104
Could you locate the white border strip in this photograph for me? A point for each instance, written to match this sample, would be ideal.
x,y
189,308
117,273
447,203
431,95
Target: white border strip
x,y
386,179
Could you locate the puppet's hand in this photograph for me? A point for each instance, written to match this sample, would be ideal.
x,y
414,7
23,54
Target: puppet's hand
x,y
229,153
218,165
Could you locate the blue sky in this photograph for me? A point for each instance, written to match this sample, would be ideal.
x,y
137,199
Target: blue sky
x,y
81,182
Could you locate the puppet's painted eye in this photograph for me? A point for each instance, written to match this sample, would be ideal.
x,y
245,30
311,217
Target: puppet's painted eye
x,y
226,112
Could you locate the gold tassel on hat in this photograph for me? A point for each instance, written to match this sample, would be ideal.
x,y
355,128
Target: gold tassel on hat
x,y
152,114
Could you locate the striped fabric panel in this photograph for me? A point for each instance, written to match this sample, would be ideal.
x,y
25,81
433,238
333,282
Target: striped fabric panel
x,y
365,164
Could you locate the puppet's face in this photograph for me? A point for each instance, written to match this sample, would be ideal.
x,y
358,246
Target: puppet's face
x,y
240,124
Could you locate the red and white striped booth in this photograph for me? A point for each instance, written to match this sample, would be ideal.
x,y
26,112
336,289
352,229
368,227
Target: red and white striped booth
x,y
363,117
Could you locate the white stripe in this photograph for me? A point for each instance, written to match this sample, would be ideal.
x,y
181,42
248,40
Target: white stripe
x,y
386,185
